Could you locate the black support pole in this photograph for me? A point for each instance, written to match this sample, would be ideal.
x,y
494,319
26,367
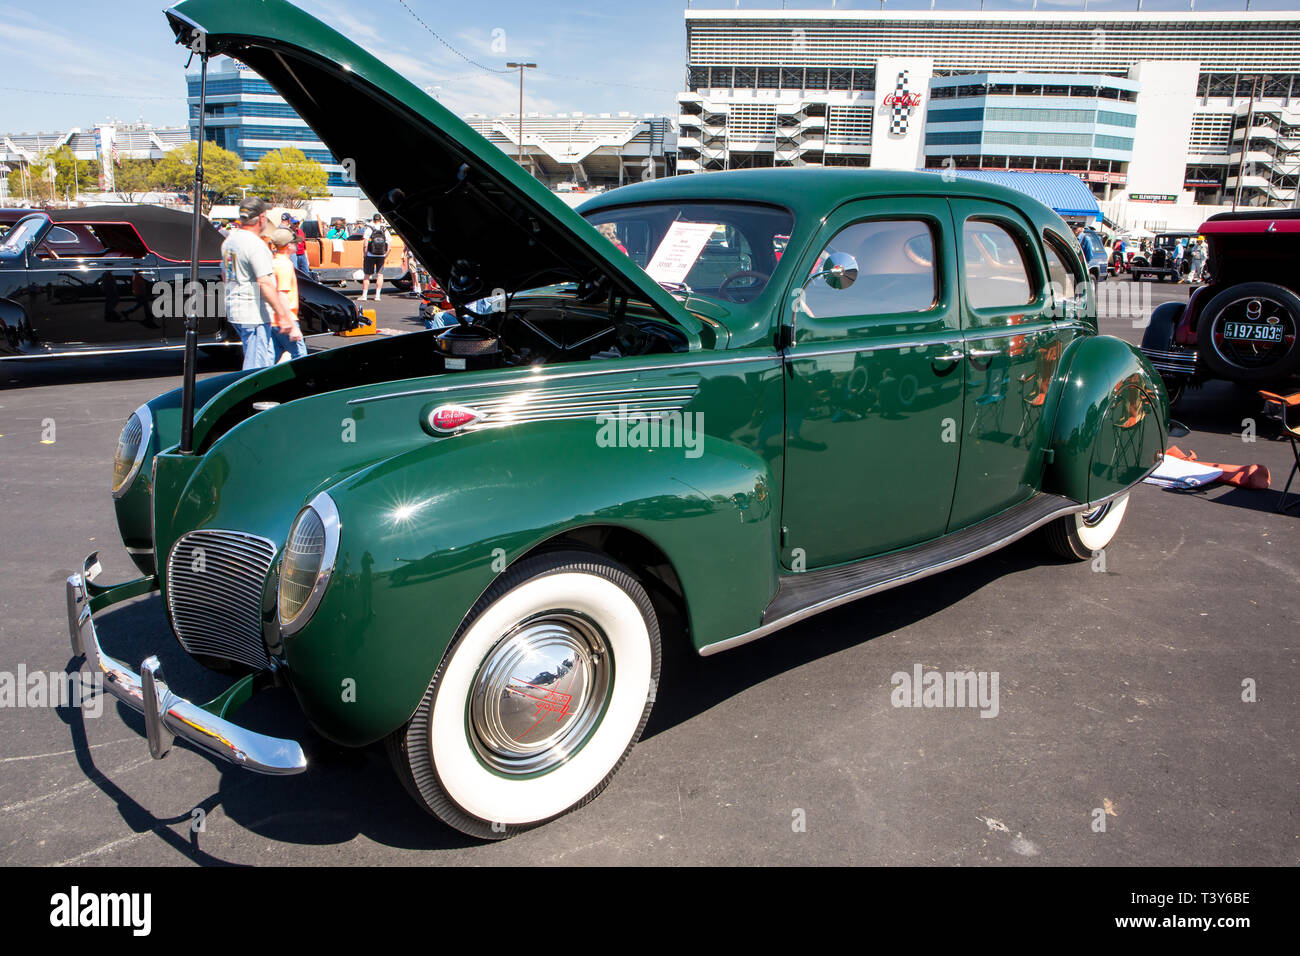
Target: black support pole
x,y
192,298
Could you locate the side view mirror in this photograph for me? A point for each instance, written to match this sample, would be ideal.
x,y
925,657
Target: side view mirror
x,y
840,271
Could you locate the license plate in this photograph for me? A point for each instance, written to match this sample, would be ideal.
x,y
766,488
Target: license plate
x,y
1252,332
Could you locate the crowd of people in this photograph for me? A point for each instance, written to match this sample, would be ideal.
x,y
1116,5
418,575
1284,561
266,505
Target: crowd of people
x,y
1189,255
261,262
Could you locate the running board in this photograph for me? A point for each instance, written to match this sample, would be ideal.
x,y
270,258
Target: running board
x,y
800,596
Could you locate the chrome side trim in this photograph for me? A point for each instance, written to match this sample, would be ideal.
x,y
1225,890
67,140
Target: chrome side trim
x,y
548,405
1010,332
796,353
536,380
849,596
166,714
73,353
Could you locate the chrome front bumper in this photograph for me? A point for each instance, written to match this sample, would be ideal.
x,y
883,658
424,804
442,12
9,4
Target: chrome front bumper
x,y
166,715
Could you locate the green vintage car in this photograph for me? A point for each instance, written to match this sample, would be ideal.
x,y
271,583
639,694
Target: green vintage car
x,y
699,410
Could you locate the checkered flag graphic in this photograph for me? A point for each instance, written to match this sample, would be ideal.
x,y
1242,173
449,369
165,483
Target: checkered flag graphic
x,y
898,122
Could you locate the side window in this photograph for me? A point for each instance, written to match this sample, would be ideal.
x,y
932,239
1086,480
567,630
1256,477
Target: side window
x,y
996,274
1060,267
897,272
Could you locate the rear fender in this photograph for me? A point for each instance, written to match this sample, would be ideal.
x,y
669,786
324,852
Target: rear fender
x,y
1111,424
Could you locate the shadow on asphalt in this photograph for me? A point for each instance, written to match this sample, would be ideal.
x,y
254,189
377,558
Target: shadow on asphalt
x,y
692,684
346,792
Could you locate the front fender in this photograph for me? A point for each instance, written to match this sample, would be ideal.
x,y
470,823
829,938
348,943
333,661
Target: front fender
x,y
135,508
425,533
1111,423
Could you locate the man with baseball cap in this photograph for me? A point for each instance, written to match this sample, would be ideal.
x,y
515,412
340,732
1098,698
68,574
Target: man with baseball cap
x,y
251,295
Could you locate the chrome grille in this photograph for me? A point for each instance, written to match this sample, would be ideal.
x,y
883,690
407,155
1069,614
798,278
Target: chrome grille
x,y
214,593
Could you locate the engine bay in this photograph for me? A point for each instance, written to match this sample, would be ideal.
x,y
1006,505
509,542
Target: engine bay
x,y
543,331
549,332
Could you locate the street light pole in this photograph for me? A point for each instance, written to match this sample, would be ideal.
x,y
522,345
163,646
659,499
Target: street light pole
x,y
521,67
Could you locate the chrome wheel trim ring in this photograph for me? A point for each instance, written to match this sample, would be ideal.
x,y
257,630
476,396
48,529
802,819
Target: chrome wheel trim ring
x,y
540,693
1095,517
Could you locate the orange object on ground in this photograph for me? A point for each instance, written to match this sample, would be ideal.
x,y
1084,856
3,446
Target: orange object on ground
x,y
1243,476
368,327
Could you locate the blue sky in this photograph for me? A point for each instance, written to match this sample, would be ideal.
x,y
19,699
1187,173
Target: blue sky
x,y
93,61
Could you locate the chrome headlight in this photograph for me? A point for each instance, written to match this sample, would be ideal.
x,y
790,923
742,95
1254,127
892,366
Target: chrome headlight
x,y
131,447
308,562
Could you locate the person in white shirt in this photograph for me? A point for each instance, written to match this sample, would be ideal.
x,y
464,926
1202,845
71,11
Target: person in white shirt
x,y
250,289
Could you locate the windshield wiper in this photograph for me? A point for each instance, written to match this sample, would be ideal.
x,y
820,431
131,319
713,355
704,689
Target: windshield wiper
x,y
677,288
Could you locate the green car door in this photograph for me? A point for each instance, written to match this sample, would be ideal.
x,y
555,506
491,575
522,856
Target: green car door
x,y
1012,347
873,385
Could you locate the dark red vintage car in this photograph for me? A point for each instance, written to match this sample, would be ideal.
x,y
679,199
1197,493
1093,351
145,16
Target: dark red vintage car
x,y
1240,326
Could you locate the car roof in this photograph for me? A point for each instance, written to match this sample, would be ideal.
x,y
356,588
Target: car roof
x,y
814,190
166,232
1252,221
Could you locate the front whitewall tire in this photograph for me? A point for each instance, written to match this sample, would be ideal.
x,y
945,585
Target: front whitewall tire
x,y
443,760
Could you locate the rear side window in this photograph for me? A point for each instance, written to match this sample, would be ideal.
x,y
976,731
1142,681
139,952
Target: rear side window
x,y
1060,267
896,270
995,269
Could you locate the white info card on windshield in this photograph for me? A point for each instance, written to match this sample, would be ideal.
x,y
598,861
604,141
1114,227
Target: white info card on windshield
x,y
679,250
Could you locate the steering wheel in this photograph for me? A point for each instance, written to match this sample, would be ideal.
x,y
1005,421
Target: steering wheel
x,y
743,274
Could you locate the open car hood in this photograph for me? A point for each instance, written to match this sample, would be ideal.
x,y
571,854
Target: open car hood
x,y
473,216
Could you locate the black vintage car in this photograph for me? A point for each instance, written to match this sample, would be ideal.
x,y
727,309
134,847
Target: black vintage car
x,y
1162,263
115,278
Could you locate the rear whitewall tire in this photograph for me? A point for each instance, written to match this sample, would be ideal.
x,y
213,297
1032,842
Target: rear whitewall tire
x,y
442,755
1081,535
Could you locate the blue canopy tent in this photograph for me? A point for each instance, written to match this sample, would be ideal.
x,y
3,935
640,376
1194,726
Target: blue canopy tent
x,y
1067,195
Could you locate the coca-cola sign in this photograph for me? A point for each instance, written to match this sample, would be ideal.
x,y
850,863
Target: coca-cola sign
x,y
902,101
906,100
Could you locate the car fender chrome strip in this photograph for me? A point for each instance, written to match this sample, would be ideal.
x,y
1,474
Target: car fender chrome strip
x,y
537,380
856,593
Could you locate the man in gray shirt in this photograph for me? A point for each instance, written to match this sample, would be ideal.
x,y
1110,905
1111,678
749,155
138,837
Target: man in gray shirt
x,y
251,295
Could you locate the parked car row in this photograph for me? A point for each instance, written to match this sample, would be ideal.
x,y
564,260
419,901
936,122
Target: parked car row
x,y
106,279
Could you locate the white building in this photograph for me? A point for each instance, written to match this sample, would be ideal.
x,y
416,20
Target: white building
x,y
106,142
590,150
1145,106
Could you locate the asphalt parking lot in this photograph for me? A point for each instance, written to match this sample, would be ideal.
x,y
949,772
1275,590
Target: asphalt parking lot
x,y
1121,696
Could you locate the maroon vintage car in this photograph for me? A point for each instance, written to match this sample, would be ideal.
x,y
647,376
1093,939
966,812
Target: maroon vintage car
x,y
1241,325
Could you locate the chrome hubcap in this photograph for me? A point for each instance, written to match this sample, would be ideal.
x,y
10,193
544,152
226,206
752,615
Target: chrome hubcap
x,y
540,693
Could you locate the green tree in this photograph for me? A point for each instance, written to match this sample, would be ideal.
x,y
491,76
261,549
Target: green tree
x,y
70,175
286,177
223,173
131,179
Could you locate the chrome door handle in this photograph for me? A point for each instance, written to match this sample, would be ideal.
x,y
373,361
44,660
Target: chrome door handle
x,y
950,357
984,353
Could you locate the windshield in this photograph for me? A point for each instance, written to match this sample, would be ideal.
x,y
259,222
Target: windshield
x,y
23,232
723,251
